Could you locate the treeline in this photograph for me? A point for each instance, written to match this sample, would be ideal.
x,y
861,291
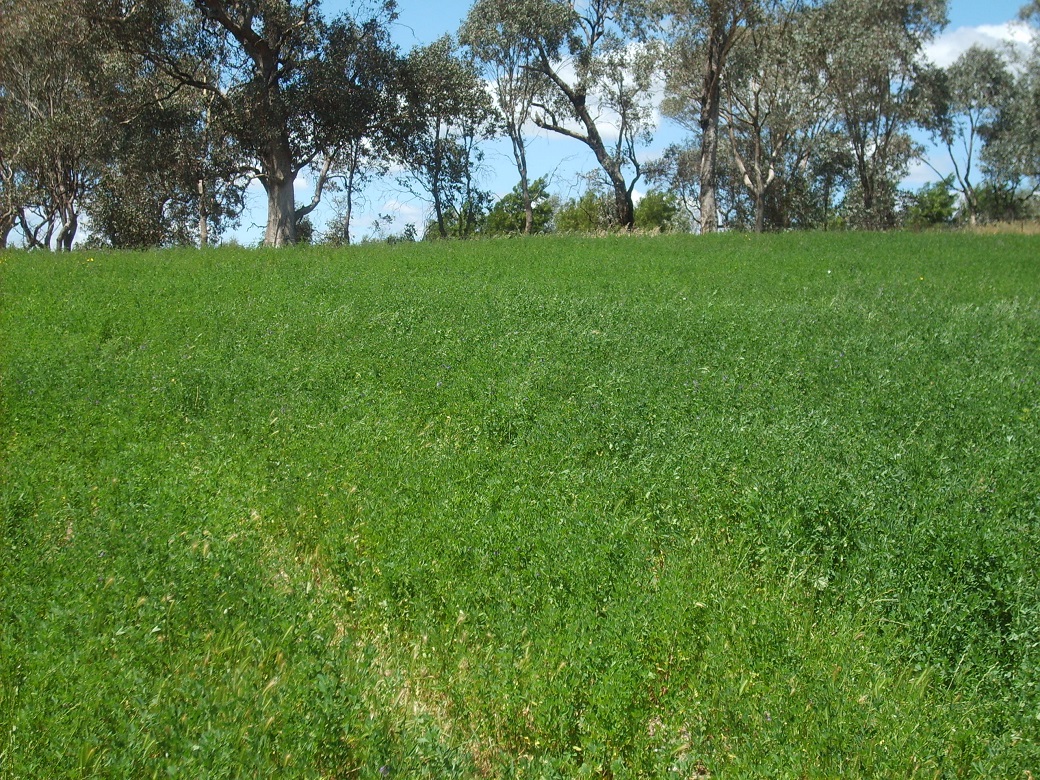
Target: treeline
x,y
147,119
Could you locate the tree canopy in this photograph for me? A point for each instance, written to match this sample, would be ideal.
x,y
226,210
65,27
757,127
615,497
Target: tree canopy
x,y
146,121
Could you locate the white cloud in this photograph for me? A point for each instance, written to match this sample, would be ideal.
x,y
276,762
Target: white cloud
x,y
945,49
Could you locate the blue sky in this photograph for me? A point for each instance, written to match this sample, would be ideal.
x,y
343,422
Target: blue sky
x,y
563,160
422,22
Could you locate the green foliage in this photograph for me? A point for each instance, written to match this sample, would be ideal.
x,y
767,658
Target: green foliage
x,y
933,204
557,507
304,230
580,54
996,203
454,113
590,213
656,211
870,55
508,215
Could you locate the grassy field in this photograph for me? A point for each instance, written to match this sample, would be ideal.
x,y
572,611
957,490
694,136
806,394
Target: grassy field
x,y
623,508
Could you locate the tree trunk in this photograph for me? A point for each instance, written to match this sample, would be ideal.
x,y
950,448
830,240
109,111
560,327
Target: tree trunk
x,y
279,181
626,210
438,210
528,206
709,124
6,226
971,200
203,216
520,156
348,212
593,139
67,234
624,207
525,190
281,212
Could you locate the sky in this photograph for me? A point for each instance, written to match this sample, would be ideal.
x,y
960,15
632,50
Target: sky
x,y
563,160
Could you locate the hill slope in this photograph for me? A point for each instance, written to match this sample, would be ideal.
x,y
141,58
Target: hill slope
x,y
547,508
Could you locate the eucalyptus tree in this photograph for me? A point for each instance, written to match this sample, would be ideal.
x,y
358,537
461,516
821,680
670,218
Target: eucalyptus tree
x,y
965,106
367,119
86,132
699,37
595,79
168,180
1011,154
774,104
367,89
356,164
14,189
677,171
288,86
359,84
13,197
451,114
489,31
11,201
869,52
55,130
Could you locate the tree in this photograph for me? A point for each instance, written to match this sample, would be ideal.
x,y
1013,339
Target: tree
x,y
171,174
869,52
775,106
656,211
677,170
933,204
356,164
524,210
362,99
288,86
964,104
11,201
593,75
1011,155
166,183
807,198
490,34
14,189
1030,13
699,36
55,128
589,213
451,115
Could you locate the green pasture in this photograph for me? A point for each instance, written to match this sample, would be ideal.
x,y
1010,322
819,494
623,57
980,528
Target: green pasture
x,y
620,507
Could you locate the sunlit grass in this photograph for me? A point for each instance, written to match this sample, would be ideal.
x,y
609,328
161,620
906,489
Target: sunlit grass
x,y
629,507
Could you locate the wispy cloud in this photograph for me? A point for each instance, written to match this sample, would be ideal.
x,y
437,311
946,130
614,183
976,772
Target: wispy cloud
x,y
946,48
